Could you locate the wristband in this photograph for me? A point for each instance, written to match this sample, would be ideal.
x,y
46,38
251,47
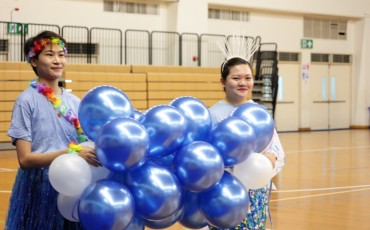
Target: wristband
x,y
74,147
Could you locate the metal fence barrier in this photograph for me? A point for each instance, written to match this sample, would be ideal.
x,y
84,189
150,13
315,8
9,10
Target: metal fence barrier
x,y
114,46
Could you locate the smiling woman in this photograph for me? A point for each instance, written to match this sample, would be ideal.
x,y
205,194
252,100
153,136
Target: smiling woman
x,y
237,81
44,123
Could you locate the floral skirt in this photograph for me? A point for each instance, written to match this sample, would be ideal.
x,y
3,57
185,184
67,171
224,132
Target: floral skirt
x,y
33,203
257,211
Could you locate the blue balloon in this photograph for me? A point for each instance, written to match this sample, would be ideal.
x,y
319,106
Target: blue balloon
x,y
261,121
121,144
137,223
165,161
106,204
198,166
198,117
192,217
234,138
226,204
166,127
156,190
100,105
166,222
119,177
137,114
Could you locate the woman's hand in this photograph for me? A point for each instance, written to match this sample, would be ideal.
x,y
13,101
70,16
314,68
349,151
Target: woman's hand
x,y
89,155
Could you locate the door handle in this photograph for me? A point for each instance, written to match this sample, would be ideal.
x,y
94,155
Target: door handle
x,y
284,102
336,101
321,101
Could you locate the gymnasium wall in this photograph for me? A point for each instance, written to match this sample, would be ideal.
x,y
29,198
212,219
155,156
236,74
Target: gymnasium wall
x,y
275,21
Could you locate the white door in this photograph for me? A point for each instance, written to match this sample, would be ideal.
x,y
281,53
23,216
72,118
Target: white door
x,y
287,103
339,98
330,96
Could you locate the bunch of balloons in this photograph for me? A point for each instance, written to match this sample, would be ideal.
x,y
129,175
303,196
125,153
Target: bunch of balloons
x,y
162,166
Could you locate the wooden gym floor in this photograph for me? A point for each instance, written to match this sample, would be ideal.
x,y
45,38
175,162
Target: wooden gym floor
x,y
324,185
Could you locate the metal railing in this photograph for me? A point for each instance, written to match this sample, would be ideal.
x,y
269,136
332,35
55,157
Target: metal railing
x,y
114,46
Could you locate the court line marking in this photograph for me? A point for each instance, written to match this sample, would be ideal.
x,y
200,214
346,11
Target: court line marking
x,y
7,170
318,195
321,189
325,149
363,187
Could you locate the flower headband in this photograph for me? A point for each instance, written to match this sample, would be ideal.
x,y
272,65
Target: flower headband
x,y
237,46
40,44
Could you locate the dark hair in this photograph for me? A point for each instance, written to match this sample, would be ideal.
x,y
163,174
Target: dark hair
x,y
42,35
225,67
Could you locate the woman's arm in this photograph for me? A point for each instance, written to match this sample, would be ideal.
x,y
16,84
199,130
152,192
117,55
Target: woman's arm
x,y
27,159
275,153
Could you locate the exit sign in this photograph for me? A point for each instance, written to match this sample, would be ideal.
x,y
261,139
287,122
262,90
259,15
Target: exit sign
x,y
306,43
17,28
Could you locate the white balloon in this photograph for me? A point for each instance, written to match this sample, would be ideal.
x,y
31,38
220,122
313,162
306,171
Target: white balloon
x,y
68,207
69,174
255,172
98,173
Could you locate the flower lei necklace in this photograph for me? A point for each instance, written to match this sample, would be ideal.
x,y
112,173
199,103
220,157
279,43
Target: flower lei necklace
x,y
60,107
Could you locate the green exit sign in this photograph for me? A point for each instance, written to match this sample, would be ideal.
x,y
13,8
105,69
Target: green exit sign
x,y
17,28
306,43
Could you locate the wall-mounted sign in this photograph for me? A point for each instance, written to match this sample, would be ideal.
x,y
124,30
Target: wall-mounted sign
x,y
306,43
17,28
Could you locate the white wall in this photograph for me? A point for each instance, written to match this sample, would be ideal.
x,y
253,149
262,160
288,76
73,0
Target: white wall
x,y
275,21
361,74
191,15
88,13
354,8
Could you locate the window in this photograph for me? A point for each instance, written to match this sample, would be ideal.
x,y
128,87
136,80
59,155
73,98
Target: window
x,y
341,58
331,58
325,28
324,58
288,56
225,14
130,7
3,45
82,48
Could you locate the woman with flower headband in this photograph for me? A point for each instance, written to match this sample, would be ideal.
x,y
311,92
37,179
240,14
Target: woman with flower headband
x,y
237,82
44,126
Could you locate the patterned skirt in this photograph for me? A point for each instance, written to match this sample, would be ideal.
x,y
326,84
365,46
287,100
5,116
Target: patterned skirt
x,y
257,211
33,203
